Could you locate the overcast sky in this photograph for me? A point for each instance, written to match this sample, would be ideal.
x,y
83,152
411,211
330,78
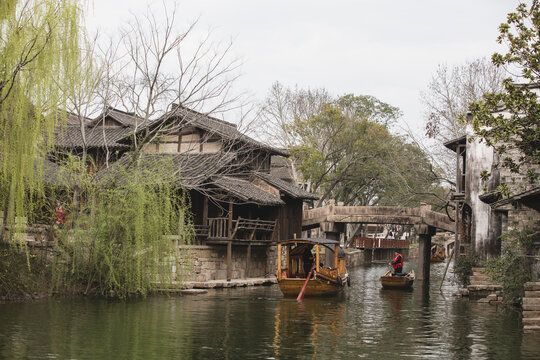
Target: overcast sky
x,y
385,48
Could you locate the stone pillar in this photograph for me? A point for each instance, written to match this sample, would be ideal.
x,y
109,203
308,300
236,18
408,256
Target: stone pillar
x,y
332,231
425,233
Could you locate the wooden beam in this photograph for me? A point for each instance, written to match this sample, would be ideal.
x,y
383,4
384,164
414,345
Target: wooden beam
x,y
205,212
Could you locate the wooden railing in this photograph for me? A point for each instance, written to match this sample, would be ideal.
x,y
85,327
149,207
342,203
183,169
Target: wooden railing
x,y
218,228
370,243
242,229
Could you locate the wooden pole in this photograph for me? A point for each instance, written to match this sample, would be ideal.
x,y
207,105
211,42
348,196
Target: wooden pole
x,y
336,247
279,261
317,257
446,268
303,290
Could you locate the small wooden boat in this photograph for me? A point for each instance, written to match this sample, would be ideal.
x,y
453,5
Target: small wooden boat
x,y
389,281
438,254
327,279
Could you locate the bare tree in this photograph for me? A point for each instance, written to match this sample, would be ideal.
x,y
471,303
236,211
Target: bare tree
x,y
162,66
282,105
447,96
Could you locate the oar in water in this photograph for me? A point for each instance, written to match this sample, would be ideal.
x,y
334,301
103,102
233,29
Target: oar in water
x,y
303,291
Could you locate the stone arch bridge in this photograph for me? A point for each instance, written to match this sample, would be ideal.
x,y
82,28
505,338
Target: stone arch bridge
x,y
331,219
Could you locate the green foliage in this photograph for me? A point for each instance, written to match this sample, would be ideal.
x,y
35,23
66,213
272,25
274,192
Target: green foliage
x,y
120,243
39,41
512,269
518,127
347,153
463,268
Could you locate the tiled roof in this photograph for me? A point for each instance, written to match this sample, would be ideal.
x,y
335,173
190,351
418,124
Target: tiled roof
x,y
190,170
281,168
246,191
127,119
56,175
96,137
198,171
286,187
73,119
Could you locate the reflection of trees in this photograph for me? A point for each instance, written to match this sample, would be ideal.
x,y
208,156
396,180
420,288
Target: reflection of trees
x,y
97,329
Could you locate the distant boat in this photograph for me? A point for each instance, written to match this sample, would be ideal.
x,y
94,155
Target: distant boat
x,y
325,280
389,281
438,253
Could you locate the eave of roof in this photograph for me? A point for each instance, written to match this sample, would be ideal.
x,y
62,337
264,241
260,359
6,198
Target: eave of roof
x,y
453,144
246,191
529,194
286,187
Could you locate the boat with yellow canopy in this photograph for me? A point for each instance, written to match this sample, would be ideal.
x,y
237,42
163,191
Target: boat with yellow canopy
x,y
326,279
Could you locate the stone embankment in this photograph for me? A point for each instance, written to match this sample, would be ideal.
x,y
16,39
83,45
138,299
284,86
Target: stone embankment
x,y
483,288
531,307
213,284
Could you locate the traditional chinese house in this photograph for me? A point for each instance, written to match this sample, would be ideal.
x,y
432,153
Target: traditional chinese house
x,y
241,208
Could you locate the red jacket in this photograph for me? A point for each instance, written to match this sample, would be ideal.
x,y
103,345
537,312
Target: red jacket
x,y
398,261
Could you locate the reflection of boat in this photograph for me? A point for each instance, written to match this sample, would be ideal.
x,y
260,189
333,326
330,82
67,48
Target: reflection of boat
x,y
397,282
326,279
437,253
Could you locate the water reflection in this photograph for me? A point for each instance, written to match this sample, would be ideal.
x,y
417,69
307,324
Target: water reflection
x,y
364,322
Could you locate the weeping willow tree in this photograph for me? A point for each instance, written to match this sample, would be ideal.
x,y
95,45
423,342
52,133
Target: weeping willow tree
x,y
114,242
38,43
123,240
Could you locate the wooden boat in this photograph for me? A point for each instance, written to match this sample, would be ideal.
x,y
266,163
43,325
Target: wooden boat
x,y
327,279
438,253
397,282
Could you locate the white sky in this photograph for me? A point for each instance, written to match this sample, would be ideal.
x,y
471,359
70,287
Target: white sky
x,y
385,48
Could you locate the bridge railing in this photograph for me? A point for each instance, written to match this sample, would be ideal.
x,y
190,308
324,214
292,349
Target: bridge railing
x,y
379,243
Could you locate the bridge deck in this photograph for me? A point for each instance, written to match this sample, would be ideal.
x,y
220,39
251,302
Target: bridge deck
x,y
377,215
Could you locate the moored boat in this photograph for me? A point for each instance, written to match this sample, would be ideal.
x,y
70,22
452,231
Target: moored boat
x,y
397,282
438,253
326,279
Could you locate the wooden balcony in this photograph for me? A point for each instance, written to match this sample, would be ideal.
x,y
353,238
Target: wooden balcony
x,y
379,243
242,231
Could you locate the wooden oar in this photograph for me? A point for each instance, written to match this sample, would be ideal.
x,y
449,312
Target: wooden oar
x,y
303,291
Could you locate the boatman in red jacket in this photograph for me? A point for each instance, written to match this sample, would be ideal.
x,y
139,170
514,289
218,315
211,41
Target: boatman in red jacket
x,y
397,264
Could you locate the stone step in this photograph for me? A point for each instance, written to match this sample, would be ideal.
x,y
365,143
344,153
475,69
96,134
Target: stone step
x,y
478,269
531,328
481,282
531,307
481,278
490,287
531,321
532,286
531,314
532,294
531,301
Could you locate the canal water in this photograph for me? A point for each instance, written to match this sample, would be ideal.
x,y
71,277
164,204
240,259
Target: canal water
x,y
258,323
